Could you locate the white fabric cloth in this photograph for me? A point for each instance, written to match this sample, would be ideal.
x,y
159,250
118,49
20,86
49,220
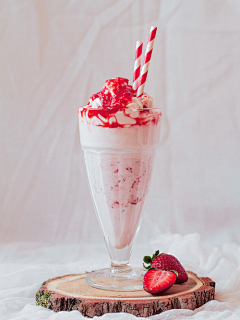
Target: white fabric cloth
x,y
25,266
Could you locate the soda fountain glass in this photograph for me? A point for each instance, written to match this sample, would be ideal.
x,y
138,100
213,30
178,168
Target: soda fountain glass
x,y
119,164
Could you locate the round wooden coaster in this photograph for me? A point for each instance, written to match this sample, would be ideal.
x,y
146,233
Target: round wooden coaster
x,y
71,292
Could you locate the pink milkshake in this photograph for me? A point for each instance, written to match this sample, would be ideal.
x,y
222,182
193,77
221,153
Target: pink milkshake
x,y
119,133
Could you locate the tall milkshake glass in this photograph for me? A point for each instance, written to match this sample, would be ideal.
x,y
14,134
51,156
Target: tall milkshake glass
x,y
119,163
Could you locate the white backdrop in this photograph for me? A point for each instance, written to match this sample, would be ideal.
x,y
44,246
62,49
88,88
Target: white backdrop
x,y
55,54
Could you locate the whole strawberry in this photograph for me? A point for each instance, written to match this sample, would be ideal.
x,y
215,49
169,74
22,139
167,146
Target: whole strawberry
x,y
156,281
167,262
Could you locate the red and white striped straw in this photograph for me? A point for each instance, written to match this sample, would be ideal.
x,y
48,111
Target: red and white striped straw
x,y
137,64
146,61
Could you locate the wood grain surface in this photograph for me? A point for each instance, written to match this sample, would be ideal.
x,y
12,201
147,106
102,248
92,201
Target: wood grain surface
x,y
71,292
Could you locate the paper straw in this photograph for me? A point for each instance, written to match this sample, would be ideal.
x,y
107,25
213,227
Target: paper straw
x,y
137,64
146,61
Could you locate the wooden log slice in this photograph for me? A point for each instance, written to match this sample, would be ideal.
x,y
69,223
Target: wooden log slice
x,y
71,292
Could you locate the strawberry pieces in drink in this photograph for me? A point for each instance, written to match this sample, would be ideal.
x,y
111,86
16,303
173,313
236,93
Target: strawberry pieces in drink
x,y
156,281
166,262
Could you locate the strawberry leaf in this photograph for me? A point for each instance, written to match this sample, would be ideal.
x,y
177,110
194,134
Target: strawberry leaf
x,y
147,259
155,255
146,267
175,272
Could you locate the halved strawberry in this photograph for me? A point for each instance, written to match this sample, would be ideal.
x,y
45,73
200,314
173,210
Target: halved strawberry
x,y
156,281
164,261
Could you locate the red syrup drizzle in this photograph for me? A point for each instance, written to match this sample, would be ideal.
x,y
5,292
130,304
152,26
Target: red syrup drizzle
x,y
115,96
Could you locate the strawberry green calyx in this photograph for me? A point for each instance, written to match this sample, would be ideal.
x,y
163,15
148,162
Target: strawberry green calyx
x,y
175,272
148,260
151,268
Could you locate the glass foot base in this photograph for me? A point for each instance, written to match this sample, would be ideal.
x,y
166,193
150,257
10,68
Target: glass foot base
x,y
118,281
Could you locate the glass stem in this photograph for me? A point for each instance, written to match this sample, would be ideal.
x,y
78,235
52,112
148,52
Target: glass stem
x,y
120,267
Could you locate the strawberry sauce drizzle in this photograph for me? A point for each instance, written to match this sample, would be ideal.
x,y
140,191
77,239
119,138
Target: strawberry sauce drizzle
x,y
115,96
